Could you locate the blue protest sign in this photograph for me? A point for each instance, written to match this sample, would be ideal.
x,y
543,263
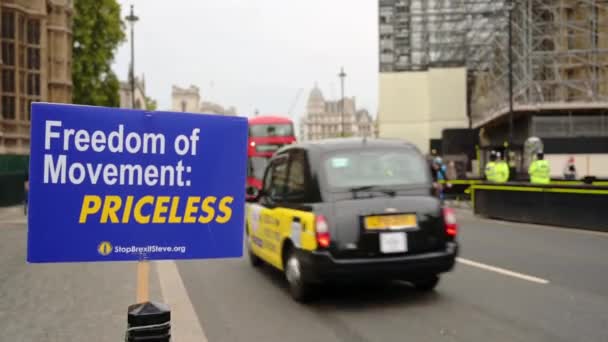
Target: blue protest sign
x,y
111,184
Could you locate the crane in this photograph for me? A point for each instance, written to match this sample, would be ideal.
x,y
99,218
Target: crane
x,y
294,102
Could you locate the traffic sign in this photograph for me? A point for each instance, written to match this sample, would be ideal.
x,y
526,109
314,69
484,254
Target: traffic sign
x,y
111,184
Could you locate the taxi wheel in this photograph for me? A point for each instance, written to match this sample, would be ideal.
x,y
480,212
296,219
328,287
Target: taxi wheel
x,y
426,284
298,288
254,260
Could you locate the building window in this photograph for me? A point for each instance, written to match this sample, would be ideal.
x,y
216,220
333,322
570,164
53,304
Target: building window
x,y
33,32
183,106
33,84
8,53
21,61
33,58
8,107
8,24
8,81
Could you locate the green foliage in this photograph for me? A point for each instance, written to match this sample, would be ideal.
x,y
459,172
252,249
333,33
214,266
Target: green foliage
x,y
98,30
150,103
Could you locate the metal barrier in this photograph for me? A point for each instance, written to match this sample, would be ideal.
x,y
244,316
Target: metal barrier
x,y
12,190
461,188
576,206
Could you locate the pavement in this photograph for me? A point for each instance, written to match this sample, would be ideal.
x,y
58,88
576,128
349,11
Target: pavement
x,y
513,282
61,302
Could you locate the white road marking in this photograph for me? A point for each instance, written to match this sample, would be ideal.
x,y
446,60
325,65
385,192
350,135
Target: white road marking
x,y
185,325
502,271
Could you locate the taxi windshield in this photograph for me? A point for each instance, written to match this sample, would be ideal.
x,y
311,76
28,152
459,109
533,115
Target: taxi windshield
x,y
381,167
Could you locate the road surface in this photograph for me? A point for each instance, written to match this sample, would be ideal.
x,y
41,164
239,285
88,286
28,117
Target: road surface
x,y
513,282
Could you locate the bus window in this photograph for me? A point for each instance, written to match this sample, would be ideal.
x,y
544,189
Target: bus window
x,y
271,130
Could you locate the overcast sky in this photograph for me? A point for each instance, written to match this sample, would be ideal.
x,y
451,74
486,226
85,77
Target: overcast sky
x,y
255,54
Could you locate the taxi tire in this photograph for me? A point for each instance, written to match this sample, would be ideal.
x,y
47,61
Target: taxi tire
x,y
300,290
254,260
426,284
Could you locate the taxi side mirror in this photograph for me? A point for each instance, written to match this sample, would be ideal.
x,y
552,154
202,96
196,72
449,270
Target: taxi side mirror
x,y
253,194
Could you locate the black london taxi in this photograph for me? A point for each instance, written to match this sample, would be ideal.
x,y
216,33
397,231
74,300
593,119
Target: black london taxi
x,y
350,209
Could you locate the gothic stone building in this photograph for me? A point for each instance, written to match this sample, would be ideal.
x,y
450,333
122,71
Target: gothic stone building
x,y
35,64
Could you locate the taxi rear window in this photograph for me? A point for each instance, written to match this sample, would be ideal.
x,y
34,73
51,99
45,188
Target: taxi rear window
x,y
375,167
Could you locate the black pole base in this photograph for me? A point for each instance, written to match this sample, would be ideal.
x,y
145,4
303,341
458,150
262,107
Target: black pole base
x,y
149,322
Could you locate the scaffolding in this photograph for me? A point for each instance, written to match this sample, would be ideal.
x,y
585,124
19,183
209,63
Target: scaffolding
x,y
558,60
419,34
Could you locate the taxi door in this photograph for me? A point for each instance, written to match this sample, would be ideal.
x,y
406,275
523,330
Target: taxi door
x,y
293,208
296,210
266,224
283,214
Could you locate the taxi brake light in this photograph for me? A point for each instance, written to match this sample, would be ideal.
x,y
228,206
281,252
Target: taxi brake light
x,y
451,227
322,231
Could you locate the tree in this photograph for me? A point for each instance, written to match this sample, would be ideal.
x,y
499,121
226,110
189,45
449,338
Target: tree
x,y
98,30
150,103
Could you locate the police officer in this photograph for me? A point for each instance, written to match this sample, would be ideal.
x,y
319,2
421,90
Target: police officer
x,y
490,170
502,171
440,169
539,170
438,172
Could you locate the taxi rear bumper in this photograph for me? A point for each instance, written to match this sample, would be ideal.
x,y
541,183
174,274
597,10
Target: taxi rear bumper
x,y
320,266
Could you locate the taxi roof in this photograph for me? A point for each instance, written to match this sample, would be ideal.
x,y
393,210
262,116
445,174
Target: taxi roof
x,y
349,143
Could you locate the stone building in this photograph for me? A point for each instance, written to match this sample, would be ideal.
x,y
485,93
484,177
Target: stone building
x,y
35,64
189,100
125,93
324,119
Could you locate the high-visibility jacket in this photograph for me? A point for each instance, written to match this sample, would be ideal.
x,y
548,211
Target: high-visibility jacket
x,y
540,172
502,172
490,171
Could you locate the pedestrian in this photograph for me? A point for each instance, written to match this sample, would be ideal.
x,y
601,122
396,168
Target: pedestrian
x,y
490,170
502,170
540,170
438,172
570,169
26,190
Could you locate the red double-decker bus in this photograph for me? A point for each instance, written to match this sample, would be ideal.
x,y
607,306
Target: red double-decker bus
x,y
266,135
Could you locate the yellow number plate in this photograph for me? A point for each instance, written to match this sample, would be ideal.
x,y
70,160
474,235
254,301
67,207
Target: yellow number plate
x,y
390,222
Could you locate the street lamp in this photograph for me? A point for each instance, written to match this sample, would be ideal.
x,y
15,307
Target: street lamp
x,y
132,18
342,75
507,154
510,6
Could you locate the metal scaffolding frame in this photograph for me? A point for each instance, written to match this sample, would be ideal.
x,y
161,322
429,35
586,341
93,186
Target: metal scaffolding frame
x,y
559,60
559,53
